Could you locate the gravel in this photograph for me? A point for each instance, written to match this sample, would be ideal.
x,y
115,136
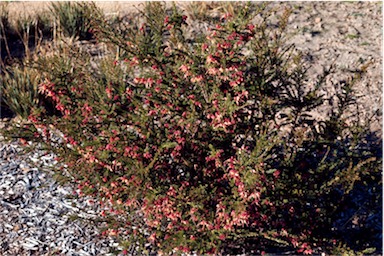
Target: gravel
x,y
35,211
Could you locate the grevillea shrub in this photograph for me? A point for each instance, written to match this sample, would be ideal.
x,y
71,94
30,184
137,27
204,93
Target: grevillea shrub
x,y
196,143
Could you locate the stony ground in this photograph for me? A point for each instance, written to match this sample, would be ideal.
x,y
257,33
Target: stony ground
x,y
349,34
35,210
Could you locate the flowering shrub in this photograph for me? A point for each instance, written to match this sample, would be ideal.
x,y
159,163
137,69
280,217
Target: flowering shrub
x,y
194,145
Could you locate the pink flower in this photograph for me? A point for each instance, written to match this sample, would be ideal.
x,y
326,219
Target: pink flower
x,y
152,237
134,61
283,232
240,219
109,92
23,141
232,36
72,141
87,108
46,87
166,20
152,112
225,16
251,27
305,249
234,174
184,68
51,94
113,232
60,107
109,147
211,59
147,155
204,223
196,79
197,104
234,83
149,81
213,71
225,45
67,112
43,88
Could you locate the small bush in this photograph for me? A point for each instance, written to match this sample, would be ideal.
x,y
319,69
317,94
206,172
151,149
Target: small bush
x,y
74,18
20,85
196,146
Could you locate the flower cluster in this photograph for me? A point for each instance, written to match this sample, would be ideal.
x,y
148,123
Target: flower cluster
x,y
165,144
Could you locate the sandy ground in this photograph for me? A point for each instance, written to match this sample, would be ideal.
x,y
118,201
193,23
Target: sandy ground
x,y
109,7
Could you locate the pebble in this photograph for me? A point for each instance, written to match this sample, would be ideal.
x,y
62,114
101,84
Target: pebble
x,y
35,210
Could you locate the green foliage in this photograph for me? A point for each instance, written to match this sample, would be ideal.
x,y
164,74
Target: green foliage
x,y
20,89
74,18
197,144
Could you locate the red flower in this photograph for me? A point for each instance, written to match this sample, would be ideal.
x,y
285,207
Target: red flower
x,y
196,79
109,147
276,174
184,68
225,16
211,59
134,61
166,20
251,27
51,94
109,92
43,88
23,141
152,238
67,112
305,249
147,155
